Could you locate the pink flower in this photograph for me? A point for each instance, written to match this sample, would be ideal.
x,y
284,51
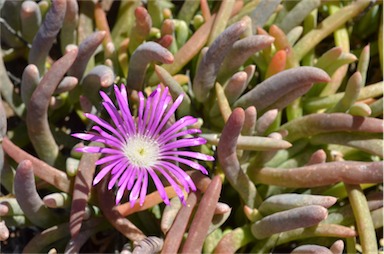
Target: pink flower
x,y
135,149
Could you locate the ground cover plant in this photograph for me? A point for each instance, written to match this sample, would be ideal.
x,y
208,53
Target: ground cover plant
x,y
158,126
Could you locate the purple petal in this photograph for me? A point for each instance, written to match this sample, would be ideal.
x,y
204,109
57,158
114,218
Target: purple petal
x,y
184,143
171,136
116,118
195,155
170,112
159,116
136,188
122,101
177,126
180,175
192,164
120,191
97,149
79,149
88,149
97,138
109,158
144,186
105,97
133,177
117,171
101,175
159,186
108,136
104,124
83,136
175,174
161,105
123,93
150,108
172,182
126,175
140,124
123,164
109,167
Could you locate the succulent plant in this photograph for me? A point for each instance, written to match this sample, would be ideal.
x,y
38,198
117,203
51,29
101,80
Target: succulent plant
x,y
278,103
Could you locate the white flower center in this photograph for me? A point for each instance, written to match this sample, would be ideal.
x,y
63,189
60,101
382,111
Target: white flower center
x,y
141,151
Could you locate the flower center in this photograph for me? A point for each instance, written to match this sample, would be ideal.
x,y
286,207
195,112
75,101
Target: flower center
x,y
141,151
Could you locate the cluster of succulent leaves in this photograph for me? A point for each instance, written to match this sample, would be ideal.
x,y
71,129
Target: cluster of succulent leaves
x,y
289,97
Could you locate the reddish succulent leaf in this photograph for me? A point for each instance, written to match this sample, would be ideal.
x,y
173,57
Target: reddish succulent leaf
x,y
203,217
